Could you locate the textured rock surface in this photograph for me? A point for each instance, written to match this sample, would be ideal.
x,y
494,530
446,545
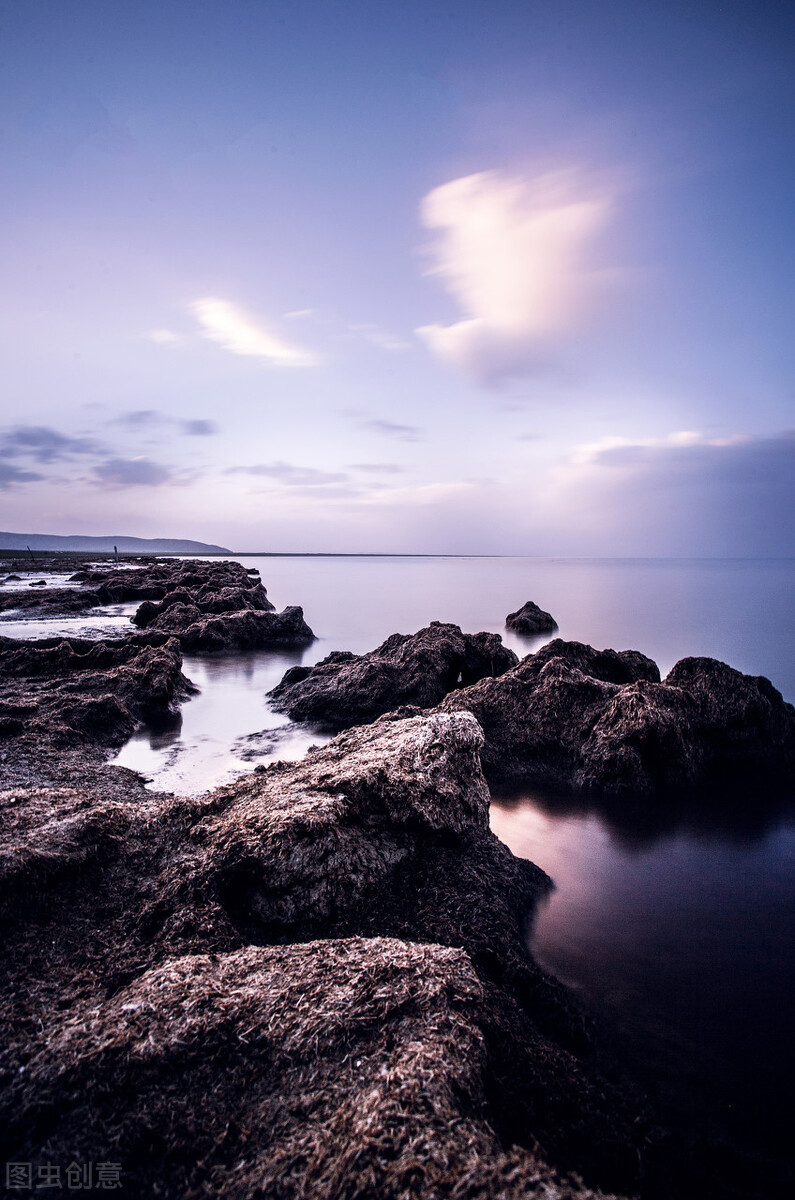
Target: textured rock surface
x,y
336,1069
573,718
324,1068
417,669
530,619
247,629
59,691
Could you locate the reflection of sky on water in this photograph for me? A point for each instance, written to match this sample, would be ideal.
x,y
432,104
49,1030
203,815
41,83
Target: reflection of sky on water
x,y
686,940
215,740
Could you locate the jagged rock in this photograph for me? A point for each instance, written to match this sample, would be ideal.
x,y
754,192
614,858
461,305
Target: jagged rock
x,y
416,669
335,1069
576,719
154,997
207,600
249,629
50,602
530,619
72,689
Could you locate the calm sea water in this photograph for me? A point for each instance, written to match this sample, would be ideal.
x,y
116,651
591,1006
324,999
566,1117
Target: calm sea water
x,y
677,926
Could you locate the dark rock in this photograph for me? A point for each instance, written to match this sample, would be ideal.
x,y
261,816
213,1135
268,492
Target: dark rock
x,y
407,669
531,619
50,602
571,718
419,1025
13,579
249,629
72,689
38,583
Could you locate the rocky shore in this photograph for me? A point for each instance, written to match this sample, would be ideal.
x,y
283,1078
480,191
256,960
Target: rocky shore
x,y
315,981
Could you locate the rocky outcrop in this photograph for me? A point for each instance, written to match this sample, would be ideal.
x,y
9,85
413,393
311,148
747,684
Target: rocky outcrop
x,y
571,718
67,690
530,619
165,992
49,602
312,982
249,629
334,1070
416,669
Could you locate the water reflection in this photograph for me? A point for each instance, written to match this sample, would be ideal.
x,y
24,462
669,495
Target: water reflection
x,y
682,934
224,730
742,816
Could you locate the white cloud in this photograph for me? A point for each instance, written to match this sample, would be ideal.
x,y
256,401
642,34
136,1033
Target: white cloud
x,y
164,337
510,251
239,333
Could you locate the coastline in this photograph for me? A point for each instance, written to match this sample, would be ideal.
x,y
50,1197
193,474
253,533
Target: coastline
x,y
199,896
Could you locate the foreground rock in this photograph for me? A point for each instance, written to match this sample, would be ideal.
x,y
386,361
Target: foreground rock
x,y
165,994
601,722
407,669
530,619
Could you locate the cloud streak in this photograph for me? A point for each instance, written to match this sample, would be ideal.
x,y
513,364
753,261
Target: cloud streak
x,y
289,475
510,250
236,331
392,429
44,444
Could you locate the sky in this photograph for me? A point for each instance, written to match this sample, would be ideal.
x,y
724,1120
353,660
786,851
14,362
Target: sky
x,y
428,277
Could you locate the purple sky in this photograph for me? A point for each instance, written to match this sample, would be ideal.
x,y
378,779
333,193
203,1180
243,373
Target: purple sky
x,y
433,277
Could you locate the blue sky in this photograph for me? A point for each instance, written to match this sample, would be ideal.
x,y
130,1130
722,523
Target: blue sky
x,y
433,277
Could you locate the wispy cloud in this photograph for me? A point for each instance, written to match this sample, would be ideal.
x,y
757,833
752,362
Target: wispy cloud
x,y
132,472
149,418
510,251
392,429
289,475
240,333
199,427
44,444
685,493
11,475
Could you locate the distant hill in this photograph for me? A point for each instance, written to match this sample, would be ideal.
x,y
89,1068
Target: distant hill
x,y
101,545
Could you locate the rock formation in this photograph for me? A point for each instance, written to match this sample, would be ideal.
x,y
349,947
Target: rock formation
x,y
167,1003
530,619
416,669
572,718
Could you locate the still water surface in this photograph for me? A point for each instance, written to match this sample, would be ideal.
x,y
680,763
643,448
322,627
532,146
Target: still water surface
x,y
677,926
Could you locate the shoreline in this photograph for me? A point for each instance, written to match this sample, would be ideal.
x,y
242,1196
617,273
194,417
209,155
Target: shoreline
x,y
212,905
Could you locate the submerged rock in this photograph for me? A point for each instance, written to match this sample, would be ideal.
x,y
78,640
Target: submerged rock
x,y
577,719
531,619
407,669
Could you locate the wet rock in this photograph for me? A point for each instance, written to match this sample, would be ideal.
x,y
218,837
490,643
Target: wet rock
x,y
571,718
249,629
13,579
407,669
419,1016
530,619
50,601
66,690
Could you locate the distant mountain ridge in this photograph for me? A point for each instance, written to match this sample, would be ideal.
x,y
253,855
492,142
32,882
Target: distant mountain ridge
x,y
125,545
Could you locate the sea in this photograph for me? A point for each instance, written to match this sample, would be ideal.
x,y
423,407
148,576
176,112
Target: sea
x,y
675,925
